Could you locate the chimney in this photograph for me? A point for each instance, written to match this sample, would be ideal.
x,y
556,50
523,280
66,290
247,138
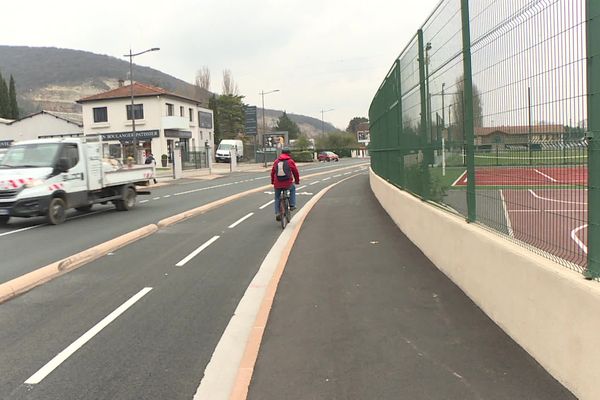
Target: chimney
x,y
121,82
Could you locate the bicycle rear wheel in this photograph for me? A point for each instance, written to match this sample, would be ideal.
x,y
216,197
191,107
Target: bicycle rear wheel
x,y
282,210
288,212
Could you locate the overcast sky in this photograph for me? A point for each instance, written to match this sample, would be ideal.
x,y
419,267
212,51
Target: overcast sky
x,y
320,54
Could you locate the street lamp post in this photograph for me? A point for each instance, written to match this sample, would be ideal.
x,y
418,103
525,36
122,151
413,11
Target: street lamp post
x,y
323,121
262,93
131,55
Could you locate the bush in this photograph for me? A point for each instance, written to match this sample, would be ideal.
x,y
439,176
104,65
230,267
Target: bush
x,y
303,156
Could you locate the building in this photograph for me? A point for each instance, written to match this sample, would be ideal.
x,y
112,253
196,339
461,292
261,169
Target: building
x,y
363,136
42,124
501,136
162,119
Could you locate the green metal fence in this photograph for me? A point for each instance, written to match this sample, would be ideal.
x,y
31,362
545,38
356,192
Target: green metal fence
x,y
489,110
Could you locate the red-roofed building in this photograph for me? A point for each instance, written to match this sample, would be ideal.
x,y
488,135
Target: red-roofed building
x,y
162,119
511,135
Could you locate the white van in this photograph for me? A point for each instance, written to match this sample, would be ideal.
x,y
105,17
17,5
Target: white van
x,y
223,152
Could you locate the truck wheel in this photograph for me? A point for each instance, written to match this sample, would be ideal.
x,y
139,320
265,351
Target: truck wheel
x,y
84,208
128,200
56,211
4,219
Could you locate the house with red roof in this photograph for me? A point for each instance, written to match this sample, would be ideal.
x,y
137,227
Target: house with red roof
x,y
162,120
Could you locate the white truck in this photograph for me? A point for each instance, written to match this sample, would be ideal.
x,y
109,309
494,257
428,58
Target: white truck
x,y
226,146
45,177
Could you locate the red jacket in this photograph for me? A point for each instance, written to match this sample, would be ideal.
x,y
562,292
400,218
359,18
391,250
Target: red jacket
x,y
295,174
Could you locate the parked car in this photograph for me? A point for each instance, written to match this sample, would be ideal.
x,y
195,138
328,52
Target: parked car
x,y
327,156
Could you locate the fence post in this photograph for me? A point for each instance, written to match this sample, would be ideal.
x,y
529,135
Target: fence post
x,y
593,118
424,187
468,110
399,141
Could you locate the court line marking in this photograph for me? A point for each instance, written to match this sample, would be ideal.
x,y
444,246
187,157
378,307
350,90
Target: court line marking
x,y
534,194
459,178
197,251
545,176
239,221
507,216
266,204
83,339
577,240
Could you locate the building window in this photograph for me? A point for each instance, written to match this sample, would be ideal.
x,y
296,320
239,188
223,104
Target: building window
x,y
138,111
181,112
191,112
170,110
100,114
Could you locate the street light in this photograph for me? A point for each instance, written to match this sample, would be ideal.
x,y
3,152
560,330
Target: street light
x,y
262,93
322,121
131,55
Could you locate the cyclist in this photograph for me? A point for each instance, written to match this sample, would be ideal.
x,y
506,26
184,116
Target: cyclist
x,y
283,175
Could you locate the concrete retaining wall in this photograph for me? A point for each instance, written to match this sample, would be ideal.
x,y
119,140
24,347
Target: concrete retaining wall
x,y
552,312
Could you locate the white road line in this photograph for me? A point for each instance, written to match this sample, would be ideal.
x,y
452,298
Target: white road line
x,y
201,189
314,183
197,251
266,205
166,196
545,176
143,201
459,178
326,179
301,187
239,221
20,230
337,176
156,198
86,337
507,216
577,240
347,173
534,194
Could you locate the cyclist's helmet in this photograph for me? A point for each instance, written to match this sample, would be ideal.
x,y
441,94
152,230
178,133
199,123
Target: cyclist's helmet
x,y
285,150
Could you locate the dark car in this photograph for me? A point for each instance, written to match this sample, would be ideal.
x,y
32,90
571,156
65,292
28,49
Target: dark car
x,y
327,156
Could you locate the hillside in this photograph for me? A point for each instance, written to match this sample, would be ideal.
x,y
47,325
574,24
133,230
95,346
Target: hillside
x,y
53,79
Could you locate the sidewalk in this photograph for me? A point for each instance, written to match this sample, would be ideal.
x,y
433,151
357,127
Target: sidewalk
x,y
360,313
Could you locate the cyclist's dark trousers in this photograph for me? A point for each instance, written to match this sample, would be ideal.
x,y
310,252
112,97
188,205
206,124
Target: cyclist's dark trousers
x,y
292,197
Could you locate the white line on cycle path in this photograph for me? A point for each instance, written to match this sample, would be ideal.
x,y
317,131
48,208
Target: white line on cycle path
x,y
86,337
239,221
197,251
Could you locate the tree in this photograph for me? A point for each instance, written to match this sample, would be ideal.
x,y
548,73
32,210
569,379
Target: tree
x,y
458,126
12,98
203,78
337,140
302,142
354,123
4,99
286,124
231,116
213,104
229,86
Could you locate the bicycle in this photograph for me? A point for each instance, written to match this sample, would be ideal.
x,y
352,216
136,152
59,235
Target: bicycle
x,y
284,208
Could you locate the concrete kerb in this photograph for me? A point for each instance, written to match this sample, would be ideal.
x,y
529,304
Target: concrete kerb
x,y
24,283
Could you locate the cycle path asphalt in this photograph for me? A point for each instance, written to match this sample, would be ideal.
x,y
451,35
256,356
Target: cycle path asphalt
x,y
361,313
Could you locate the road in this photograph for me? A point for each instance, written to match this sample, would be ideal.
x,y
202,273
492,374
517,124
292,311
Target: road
x,y
28,244
159,347
145,321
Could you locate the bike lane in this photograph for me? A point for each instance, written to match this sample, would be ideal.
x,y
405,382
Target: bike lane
x,y
361,313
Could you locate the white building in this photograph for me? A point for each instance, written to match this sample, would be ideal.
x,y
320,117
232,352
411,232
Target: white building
x,y
38,125
161,119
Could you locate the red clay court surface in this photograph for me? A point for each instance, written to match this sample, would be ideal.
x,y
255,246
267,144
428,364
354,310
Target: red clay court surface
x,y
553,219
526,176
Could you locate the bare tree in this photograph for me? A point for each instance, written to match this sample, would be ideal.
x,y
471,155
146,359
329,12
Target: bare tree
x,y
229,86
203,78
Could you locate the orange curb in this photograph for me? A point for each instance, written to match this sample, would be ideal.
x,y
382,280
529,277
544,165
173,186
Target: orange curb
x,y
24,283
